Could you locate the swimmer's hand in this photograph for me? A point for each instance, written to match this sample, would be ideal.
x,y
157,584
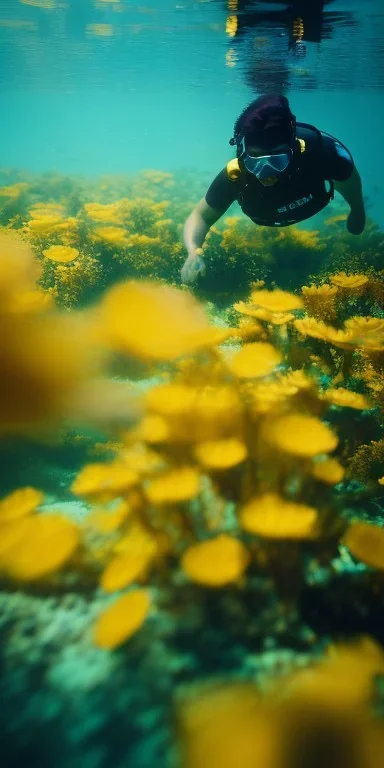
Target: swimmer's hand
x,y
356,222
193,268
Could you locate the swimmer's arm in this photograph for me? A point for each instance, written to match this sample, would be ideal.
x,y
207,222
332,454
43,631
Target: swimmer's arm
x,y
196,229
352,192
198,225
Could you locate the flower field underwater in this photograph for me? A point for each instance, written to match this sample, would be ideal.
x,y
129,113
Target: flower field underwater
x,y
204,585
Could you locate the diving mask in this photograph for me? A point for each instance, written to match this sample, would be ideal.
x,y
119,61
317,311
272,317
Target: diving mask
x,y
265,166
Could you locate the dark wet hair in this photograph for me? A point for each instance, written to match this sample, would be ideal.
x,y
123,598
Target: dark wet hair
x,y
266,121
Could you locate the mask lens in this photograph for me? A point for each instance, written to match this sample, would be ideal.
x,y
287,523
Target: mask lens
x,y
268,165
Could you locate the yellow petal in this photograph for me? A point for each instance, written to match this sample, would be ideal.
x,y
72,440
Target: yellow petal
x,y
124,570
178,485
61,253
221,454
99,478
122,619
217,562
366,542
301,435
255,360
156,322
48,545
272,517
19,503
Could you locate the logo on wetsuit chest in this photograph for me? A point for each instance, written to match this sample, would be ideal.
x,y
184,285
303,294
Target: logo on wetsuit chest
x,y
296,204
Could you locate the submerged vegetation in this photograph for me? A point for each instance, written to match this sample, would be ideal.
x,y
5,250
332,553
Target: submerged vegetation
x,y
238,450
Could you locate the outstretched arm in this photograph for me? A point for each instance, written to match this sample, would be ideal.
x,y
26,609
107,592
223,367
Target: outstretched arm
x,y
196,229
351,191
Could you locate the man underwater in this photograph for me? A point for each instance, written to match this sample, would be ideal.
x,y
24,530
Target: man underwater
x,y
284,172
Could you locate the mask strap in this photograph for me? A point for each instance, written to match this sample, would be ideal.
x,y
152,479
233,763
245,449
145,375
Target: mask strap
x,y
235,141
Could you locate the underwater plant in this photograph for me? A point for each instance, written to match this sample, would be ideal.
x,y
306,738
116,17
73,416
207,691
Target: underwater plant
x,y
325,709
233,442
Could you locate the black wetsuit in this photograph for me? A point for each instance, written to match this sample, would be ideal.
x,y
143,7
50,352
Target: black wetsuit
x,y
300,194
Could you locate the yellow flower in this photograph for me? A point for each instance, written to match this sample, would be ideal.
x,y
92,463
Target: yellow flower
x,y
172,399
276,318
19,503
366,332
305,238
301,435
308,326
136,240
111,235
220,454
346,398
102,479
40,210
30,302
178,485
227,726
217,562
44,224
61,253
329,471
272,517
135,553
155,322
109,213
48,542
276,300
153,429
255,360
13,191
259,313
123,570
366,542
349,282
122,619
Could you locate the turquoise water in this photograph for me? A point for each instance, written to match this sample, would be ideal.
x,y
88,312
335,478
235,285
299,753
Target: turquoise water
x,y
105,89
163,88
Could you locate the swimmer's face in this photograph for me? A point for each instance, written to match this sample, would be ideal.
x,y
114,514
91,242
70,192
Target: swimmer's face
x,y
256,150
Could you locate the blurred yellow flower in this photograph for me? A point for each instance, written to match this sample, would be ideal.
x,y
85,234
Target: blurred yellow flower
x,y
301,435
220,454
366,542
255,360
48,542
155,322
216,562
14,191
126,568
102,479
19,503
122,619
111,235
329,471
347,399
272,517
178,485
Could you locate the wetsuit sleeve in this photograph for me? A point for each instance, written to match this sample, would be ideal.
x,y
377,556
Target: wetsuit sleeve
x,y
337,161
222,192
